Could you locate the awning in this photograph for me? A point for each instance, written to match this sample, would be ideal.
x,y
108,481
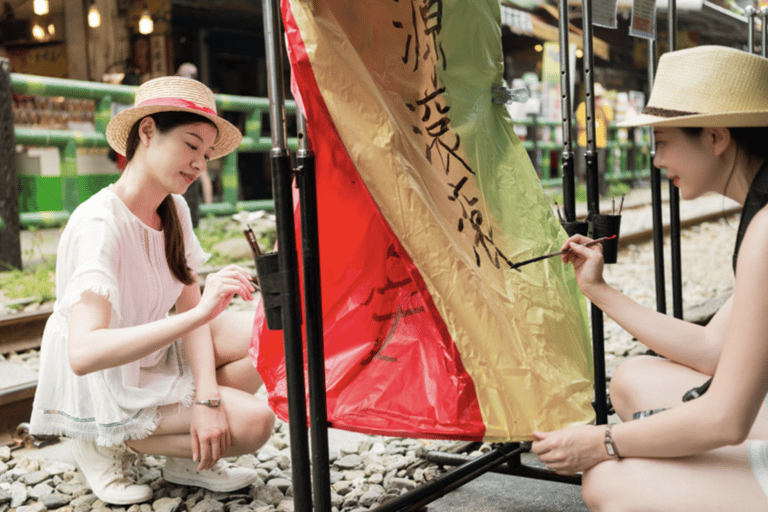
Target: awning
x,y
529,24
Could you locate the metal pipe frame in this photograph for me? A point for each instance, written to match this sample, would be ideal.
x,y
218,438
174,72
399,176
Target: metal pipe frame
x,y
674,200
567,164
288,261
593,205
313,313
656,214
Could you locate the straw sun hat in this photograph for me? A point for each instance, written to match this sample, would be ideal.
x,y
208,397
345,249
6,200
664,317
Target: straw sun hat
x,y
173,93
712,86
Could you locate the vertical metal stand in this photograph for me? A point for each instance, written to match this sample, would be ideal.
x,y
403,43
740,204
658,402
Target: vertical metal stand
x,y
567,164
764,39
593,205
313,314
10,227
658,222
750,12
288,260
674,200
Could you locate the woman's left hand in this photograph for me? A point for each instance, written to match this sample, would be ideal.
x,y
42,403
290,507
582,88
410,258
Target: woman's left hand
x,y
209,434
572,449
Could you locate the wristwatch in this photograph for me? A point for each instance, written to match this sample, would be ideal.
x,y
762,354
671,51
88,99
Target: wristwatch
x,y
211,402
610,444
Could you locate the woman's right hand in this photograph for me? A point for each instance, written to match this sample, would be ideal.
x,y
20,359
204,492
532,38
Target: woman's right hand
x,y
587,262
221,286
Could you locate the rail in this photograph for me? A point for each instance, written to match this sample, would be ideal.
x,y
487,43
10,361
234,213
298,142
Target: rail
x,y
104,95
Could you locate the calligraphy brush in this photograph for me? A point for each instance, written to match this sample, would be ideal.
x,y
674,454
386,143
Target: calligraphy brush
x,y
250,236
558,253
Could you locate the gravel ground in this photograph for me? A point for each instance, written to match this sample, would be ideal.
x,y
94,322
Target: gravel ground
x,y
707,276
379,468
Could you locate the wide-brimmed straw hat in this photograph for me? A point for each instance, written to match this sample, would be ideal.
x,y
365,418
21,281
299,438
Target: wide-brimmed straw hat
x,y
173,93
712,86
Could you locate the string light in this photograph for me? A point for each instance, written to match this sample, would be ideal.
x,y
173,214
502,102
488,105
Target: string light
x,y
38,32
40,7
94,17
146,25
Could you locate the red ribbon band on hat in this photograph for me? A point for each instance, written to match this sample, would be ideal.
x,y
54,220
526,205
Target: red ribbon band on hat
x,y
176,102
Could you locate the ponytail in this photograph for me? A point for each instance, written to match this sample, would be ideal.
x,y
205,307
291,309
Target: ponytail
x,y
174,241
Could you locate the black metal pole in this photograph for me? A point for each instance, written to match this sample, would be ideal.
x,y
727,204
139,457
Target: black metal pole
x,y
313,315
567,163
658,222
593,204
288,260
10,226
439,487
674,201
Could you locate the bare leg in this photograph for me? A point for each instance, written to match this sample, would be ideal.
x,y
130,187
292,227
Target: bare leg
x,y
647,382
250,420
231,332
720,480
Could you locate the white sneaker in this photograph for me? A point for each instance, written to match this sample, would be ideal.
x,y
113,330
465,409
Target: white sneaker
x,y
222,477
108,471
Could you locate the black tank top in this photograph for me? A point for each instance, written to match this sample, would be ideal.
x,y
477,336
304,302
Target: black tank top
x,y
757,197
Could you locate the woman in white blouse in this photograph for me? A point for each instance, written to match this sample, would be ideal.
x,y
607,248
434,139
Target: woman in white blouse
x,y
118,373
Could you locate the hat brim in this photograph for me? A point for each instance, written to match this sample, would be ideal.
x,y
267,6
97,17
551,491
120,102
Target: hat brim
x,y
728,120
228,139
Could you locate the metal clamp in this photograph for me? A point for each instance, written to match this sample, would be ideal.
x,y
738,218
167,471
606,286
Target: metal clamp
x,y
504,95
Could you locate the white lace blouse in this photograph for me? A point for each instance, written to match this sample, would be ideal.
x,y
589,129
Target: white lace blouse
x,y
106,249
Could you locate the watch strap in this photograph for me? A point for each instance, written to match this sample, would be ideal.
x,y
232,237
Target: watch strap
x,y
211,402
610,444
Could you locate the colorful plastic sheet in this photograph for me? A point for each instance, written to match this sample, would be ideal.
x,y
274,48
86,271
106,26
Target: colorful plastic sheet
x,y
425,198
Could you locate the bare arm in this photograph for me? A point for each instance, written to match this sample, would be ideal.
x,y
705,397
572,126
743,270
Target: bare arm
x,y
724,415
692,345
94,346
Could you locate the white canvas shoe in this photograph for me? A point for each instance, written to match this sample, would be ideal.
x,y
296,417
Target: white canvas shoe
x,y
222,477
108,472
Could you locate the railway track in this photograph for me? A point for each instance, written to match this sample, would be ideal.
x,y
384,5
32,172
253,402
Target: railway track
x,y
23,332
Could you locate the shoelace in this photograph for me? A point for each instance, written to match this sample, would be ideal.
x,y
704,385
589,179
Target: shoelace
x,y
124,466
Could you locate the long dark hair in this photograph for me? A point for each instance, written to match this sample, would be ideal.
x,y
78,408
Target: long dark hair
x,y
169,217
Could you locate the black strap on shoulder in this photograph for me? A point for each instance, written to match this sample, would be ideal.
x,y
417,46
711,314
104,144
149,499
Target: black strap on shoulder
x,y
757,197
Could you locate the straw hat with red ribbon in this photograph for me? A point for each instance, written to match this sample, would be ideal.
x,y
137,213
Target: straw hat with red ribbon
x,y
173,93
707,86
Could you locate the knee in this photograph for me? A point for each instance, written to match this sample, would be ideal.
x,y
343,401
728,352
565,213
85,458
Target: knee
x,y
626,380
598,487
256,426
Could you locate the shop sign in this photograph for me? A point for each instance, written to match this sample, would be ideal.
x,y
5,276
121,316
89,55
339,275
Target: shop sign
x,y
517,21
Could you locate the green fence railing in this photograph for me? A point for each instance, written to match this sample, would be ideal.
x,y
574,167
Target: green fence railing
x,y
75,188
627,160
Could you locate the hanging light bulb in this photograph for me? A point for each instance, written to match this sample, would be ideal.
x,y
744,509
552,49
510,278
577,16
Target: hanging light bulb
x,y
146,25
38,32
40,7
51,29
94,17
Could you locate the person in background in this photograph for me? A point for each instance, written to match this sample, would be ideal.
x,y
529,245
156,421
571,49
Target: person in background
x,y
709,112
118,373
603,118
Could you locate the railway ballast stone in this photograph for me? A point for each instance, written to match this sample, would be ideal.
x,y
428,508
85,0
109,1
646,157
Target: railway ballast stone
x,y
379,471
